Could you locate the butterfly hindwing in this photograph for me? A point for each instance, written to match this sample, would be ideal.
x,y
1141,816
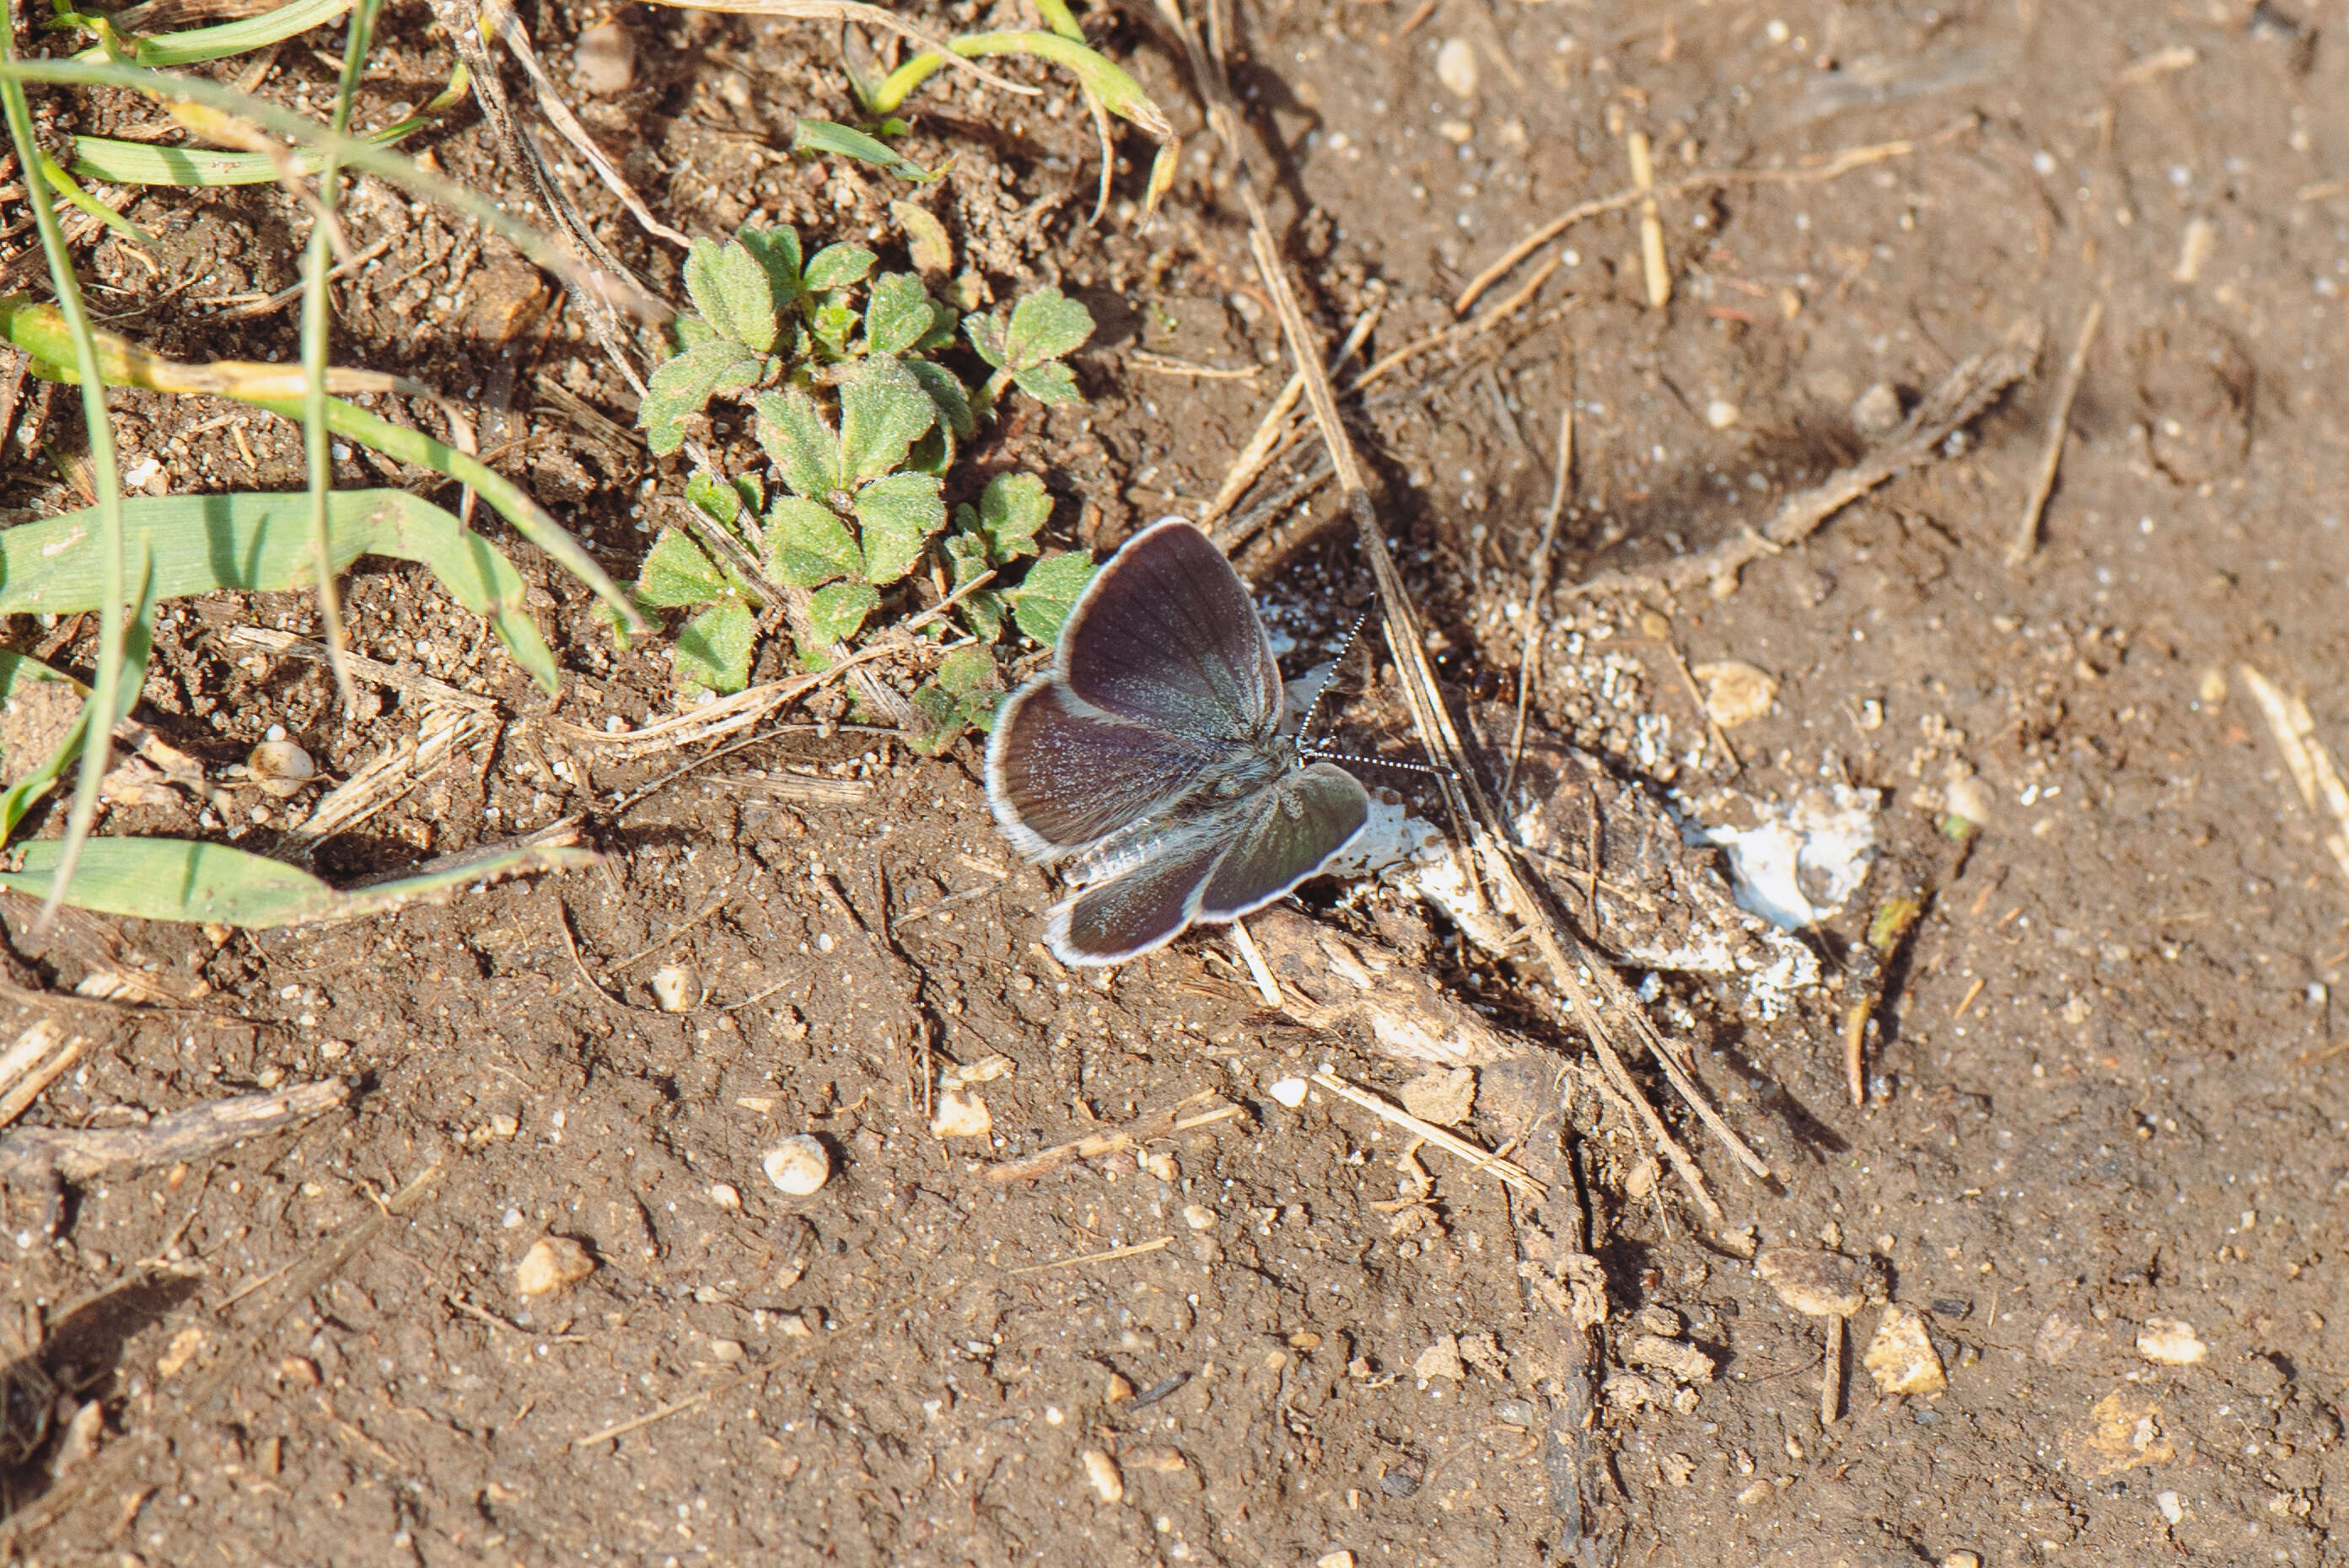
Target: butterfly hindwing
x,y
1300,823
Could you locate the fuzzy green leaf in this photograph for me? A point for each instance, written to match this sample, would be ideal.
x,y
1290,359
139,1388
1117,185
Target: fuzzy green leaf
x,y
799,438
1046,325
967,670
835,612
714,649
1053,383
684,384
1011,510
985,334
831,323
807,545
899,315
676,572
984,612
883,411
835,267
946,392
963,695
713,498
823,136
730,288
965,547
777,251
1044,596
895,516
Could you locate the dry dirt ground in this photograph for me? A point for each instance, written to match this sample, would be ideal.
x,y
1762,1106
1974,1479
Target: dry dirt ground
x,y
2101,1088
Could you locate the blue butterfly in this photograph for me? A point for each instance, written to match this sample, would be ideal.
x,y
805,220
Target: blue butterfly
x,y
1149,757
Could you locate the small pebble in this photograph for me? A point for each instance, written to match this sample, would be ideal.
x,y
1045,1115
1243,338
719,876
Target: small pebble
x,y
1198,1216
1735,692
1455,67
1341,1558
726,1195
1103,1472
1721,413
676,987
798,1166
1877,412
605,60
1289,1091
961,1115
1963,1560
1119,1389
1441,1359
1901,1357
2171,1341
281,768
551,1262
2170,1510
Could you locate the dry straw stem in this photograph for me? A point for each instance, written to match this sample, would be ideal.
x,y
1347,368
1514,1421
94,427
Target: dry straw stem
x,y
1181,1116
1480,1160
2310,763
391,775
38,1059
289,646
1110,1255
1832,166
1270,429
79,1153
1652,223
1964,393
1266,985
1529,662
1565,955
848,11
2059,426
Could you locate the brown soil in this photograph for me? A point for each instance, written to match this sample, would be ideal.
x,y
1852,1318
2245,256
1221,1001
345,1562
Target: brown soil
x,y
2100,1094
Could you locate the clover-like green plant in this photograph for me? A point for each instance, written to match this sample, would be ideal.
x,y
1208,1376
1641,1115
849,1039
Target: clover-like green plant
x,y
862,421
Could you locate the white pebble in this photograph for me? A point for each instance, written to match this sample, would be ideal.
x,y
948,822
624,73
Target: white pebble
x,y
961,1115
1455,67
551,1262
725,1194
280,768
2171,1341
1198,1216
798,1165
676,987
1102,1471
1289,1091
1721,413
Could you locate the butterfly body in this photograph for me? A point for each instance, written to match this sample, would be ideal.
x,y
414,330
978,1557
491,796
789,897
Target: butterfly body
x,y
1149,757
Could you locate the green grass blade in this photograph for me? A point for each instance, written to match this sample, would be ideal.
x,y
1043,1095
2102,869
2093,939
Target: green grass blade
x,y
256,543
75,322
184,879
141,163
200,44
39,330
1095,72
317,327
358,153
62,184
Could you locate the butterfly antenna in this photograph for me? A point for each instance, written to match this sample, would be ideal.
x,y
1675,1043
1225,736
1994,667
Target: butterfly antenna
x,y
1305,728
1320,755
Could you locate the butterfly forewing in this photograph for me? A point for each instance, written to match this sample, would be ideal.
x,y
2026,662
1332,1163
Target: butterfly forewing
x,y
1299,823
1060,775
1167,634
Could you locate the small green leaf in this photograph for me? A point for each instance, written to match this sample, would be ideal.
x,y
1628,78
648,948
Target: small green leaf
x,y
1046,325
967,670
676,572
684,384
1011,510
830,322
777,251
1053,383
713,498
965,547
823,136
732,289
895,516
714,649
983,613
799,438
836,266
985,334
835,612
883,411
807,545
898,314
946,392
1044,596
926,245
